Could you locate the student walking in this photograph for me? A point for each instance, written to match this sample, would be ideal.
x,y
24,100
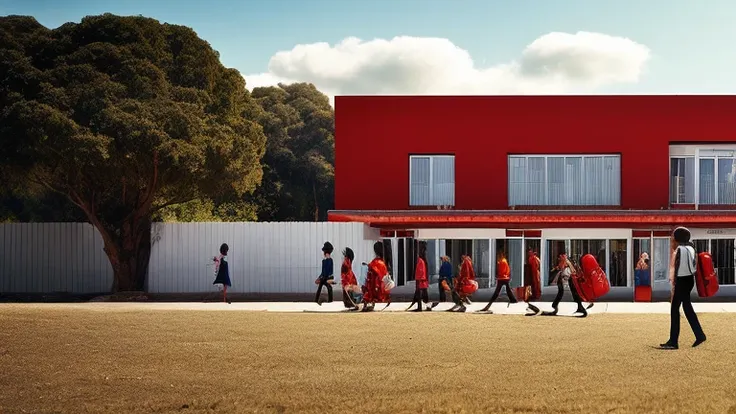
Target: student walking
x,y
503,278
222,271
421,278
445,282
348,280
683,265
564,271
327,277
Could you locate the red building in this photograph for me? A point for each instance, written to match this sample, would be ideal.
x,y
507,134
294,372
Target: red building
x,y
608,175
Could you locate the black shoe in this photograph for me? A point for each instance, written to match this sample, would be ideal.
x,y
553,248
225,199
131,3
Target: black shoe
x,y
668,345
462,309
699,341
416,310
552,313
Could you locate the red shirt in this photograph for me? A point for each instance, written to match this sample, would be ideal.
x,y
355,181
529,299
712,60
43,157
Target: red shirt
x,y
347,276
420,276
374,292
503,271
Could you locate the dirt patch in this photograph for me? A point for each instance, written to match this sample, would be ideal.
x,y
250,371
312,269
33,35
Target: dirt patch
x,y
75,361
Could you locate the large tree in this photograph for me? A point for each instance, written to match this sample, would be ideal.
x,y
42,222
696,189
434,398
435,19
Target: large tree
x,y
124,116
300,154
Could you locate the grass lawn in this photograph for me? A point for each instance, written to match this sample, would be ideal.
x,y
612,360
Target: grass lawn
x,y
55,359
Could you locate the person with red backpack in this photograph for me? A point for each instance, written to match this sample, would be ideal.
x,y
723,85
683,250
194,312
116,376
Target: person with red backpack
x,y
565,270
374,290
683,266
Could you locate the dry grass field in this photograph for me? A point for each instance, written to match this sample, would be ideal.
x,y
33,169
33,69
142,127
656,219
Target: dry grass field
x,y
59,360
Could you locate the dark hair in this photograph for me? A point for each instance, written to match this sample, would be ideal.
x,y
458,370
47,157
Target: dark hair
x,y
422,250
327,248
348,252
681,235
378,249
224,248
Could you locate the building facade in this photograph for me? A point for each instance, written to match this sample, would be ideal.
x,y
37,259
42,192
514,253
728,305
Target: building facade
x,y
606,175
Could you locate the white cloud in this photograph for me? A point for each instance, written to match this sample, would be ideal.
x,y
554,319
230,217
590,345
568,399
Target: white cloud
x,y
555,63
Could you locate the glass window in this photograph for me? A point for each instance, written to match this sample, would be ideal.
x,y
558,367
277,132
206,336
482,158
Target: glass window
x,y
707,181
726,181
722,251
682,180
617,268
432,180
661,260
564,181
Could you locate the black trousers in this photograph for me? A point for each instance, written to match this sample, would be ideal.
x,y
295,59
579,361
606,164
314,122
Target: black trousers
x,y
683,287
509,292
443,294
561,292
348,299
323,282
420,295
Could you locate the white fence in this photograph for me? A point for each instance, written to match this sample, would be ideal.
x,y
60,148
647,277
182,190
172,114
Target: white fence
x,y
263,257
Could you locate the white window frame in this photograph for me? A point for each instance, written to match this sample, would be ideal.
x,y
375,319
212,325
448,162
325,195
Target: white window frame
x,y
432,157
696,178
698,152
546,173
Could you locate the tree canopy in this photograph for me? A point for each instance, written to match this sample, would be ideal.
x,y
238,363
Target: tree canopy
x,y
124,116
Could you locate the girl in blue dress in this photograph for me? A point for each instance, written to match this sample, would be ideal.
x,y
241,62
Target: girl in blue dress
x,y
222,272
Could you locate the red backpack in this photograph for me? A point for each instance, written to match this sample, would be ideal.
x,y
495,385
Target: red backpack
x,y
706,278
590,280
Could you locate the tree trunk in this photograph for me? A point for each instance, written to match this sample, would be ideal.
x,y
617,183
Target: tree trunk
x,y
130,255
316,203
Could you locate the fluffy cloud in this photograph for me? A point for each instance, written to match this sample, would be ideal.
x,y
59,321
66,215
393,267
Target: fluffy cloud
x,y
551,64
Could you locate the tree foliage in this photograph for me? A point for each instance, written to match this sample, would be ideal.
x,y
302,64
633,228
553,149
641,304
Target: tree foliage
x,y
300,153
124,116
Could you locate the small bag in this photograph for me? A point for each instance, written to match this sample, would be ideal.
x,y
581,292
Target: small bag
x,y
523,293
388,283
445,286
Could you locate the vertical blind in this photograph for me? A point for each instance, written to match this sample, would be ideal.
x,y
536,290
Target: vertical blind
x,y
565,181
432,180
716,179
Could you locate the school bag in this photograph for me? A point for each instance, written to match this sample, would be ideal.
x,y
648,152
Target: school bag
x,y
706,278
590,281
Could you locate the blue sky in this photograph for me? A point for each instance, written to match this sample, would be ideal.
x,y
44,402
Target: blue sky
x,y
691,41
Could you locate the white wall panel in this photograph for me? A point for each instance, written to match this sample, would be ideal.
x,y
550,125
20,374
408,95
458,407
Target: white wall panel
x,y
264,257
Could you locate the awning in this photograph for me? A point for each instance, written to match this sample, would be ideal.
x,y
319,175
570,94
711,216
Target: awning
x,y
528,219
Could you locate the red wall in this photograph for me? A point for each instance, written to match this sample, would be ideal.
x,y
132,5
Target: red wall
x,y
375,135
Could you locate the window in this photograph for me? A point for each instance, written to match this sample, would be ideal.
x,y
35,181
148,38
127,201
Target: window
x,y
682,180
559,180
432,180
703,175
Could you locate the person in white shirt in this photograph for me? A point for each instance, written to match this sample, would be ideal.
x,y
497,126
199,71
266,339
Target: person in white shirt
x,y
683,265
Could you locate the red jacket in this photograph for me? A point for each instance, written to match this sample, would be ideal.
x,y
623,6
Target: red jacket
x,y
503,271
373,289
420,276
347,276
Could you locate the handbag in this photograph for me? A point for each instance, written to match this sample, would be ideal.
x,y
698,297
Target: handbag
x,y
388,282
445,286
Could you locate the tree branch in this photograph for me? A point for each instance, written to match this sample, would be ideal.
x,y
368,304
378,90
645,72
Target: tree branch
x,y
172,203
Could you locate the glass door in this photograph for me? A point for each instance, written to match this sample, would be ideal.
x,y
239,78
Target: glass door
x,y
512,250
534,245
722,251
